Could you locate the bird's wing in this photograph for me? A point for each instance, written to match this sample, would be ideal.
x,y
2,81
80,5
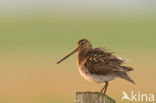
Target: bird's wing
x,y
100,61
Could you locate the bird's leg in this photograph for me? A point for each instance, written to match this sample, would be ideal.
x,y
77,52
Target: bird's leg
x,y
106,85
103,88
100,94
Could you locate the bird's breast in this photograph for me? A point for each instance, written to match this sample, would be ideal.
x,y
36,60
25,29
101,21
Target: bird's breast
x,y
85,74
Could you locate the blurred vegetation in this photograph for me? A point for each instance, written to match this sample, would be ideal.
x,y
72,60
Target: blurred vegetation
x,y
58,31
31,44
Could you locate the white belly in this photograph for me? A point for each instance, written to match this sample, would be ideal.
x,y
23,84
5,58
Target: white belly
x,y
96,78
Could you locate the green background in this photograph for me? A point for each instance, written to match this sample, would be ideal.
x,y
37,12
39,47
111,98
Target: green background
x,y
31,44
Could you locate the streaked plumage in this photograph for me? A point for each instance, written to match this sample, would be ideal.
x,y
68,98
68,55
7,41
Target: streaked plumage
x,y
99,65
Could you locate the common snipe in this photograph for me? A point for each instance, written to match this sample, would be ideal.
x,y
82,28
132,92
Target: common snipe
x,y
99,65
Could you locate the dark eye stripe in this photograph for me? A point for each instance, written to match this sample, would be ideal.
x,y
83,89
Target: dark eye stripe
x,y
83,42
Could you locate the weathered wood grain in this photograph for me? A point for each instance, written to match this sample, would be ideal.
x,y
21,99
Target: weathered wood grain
x,y
93,97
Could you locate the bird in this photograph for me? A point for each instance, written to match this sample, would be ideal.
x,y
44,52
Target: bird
x,y
99,65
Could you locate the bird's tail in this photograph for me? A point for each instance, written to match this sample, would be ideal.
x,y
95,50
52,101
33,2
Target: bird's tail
x,y
126,69
124,75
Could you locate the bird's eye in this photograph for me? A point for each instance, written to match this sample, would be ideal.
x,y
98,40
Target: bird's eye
x,y
82,43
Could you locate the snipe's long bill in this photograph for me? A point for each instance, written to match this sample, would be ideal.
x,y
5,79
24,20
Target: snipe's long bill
x,y
98,65
68,55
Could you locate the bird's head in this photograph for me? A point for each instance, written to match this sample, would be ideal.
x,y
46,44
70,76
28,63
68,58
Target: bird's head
x,y
83,45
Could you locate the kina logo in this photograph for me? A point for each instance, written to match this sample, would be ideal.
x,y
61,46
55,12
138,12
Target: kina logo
x,y
142,97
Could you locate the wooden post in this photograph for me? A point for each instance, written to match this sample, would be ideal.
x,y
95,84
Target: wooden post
x,y
92,97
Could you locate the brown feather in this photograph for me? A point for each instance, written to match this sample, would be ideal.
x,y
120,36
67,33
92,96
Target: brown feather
x,y
100,62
